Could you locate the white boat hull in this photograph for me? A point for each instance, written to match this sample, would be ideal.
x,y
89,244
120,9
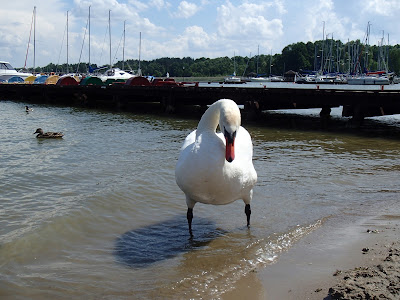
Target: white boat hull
x,y
259,79
7,71
368,81
233,79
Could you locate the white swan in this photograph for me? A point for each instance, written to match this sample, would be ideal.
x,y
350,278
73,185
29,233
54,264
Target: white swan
x,y
217,168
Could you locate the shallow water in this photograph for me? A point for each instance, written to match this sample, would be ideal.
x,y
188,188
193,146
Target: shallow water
x,y
98,214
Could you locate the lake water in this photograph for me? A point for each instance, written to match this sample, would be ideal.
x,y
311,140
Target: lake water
x,y
98,214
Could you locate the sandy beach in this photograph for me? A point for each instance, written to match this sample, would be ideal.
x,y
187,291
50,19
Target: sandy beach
x,y
349,257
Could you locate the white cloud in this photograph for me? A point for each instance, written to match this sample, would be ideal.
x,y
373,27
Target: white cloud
x,y
279,4
186,10
324,15
197,38
247,21
158,4
139,5
382,7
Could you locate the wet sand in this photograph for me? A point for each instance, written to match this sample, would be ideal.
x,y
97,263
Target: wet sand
x,y
349,257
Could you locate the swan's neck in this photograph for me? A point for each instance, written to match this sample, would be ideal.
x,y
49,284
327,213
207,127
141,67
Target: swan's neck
x,y
210,119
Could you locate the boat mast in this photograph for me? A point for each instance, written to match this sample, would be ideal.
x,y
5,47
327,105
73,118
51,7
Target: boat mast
x,y
322,48
109,32
330,56
123,50
139,71
315,56
34,38
349,56
89,35
380,52
30,34
366,65
234,63
67,42
258,56
270,63
388,49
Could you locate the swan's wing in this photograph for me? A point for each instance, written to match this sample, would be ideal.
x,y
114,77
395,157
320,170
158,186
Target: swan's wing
x,y
243,144
200,166
190,139
244,150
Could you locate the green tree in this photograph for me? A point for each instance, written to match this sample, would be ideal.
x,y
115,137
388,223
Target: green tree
x,y
332,54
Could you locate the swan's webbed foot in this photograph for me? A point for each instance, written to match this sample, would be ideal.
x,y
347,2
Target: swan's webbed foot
x,y
247,211
189,216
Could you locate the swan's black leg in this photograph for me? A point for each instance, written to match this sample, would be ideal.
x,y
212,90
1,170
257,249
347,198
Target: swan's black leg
x,y
247,210
189,216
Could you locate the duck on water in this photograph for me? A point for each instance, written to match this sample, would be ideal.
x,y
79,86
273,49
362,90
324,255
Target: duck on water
x,y
48,135
217,168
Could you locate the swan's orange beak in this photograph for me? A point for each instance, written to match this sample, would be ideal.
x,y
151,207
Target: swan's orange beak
x,y
230,150
230,145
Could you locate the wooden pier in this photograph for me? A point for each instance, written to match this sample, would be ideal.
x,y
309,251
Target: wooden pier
x,y
356,104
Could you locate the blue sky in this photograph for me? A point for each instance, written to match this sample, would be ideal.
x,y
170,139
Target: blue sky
x,y
205,28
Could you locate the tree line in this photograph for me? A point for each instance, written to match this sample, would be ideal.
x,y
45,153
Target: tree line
x,y
324,56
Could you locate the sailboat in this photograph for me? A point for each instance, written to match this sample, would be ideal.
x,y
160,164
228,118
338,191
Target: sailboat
x,y
233,78
259,78
114,74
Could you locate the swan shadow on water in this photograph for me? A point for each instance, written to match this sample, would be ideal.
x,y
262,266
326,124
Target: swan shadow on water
x,y
144,246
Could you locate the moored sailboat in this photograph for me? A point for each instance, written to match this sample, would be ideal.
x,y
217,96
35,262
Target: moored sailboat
x,y
114,74
233,78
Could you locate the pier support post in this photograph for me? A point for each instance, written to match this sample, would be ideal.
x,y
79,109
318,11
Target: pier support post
x,y
45,96
325,116
118,102
80,99
358,116
252,110
168,105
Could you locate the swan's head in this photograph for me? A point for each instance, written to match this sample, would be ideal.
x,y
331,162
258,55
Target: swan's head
x,y
229,124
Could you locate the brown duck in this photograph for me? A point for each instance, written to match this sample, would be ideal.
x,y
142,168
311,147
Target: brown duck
x,y
47,135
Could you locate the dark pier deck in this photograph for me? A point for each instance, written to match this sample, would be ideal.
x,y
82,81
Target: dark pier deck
x,y
358,104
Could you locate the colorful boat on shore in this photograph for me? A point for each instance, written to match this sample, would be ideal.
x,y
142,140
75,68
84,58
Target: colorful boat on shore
x,y
30,79
15,79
